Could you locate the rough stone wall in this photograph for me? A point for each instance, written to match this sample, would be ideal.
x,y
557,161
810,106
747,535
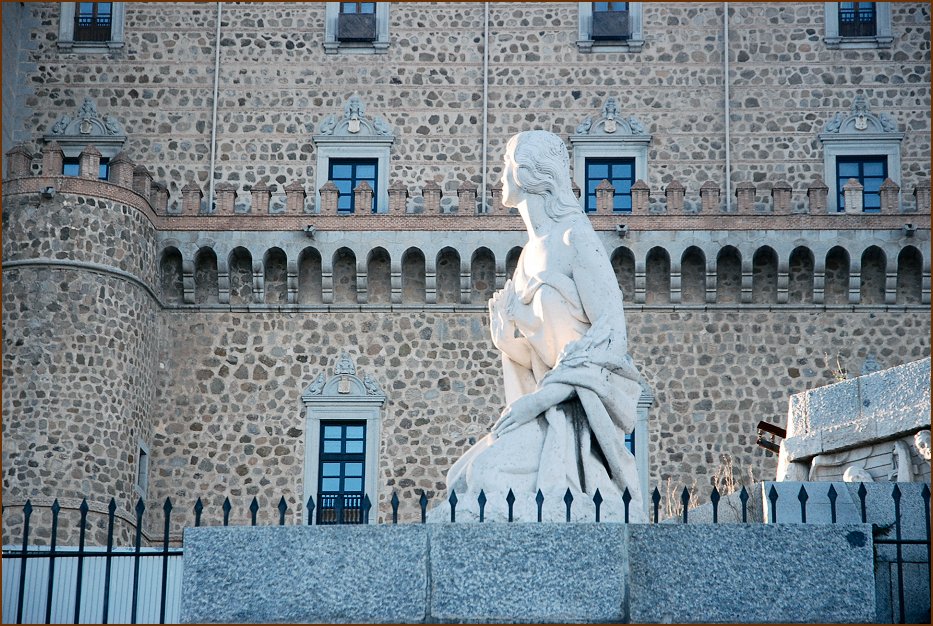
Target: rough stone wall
x,y
276,83
231,422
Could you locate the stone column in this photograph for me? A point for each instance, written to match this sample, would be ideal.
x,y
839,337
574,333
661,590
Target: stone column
x,y
817,194
260,195
709,197
605,194
52,159
19,162
329,196
121,170
89,163
142,181
225,197
466,198
159,198
674,197
641,197
295,198
781,196
495,194
363,198
432,197
745,198
890,193
852,192
398,198
922,196
191,199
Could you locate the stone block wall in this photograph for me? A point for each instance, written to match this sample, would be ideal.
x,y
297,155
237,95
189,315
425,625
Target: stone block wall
x,y
230,421
277,84
80,339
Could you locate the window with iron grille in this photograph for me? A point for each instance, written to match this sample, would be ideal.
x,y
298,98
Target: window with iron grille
x,y
93,21
619,172
347,174
71,166
857,19
341,472
870,171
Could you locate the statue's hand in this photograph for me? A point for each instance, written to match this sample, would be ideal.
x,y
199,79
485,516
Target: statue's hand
x,y
502,327
519,412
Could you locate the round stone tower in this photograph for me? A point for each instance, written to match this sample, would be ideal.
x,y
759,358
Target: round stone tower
x,y
80,335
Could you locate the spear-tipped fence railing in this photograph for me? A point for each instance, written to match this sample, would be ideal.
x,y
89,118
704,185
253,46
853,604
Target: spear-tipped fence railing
x,y
336,509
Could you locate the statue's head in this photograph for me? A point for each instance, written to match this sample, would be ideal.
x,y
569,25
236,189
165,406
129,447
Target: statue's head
x,y
539,165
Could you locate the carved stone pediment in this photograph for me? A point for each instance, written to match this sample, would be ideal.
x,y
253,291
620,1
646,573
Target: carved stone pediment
x,y
860,123
353,124
87,127
611,123
346,384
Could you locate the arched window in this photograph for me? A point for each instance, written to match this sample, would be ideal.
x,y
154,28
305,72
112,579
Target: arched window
x,y
729,276
800,277
413,276
764,276
241,276
344,277
511,261
171,277
309,277
379,277
275,277
205,277
657,277
871,282
448,277
482,276
909,276
693,276
837,276
623,264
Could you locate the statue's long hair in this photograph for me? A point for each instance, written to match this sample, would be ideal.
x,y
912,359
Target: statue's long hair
x,y
543,168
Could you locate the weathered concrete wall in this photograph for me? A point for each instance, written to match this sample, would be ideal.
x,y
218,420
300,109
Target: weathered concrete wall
x,y
529,573
230,419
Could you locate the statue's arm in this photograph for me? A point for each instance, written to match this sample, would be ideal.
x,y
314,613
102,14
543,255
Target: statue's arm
x,y
530,406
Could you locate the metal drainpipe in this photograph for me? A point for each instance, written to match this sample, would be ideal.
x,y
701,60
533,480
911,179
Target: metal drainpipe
x,y
210,192
485,101
725,71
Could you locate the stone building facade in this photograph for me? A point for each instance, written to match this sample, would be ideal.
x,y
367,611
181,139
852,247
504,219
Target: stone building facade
x,y
161,327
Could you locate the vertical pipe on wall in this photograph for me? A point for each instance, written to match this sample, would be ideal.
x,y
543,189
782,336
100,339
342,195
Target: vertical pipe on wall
x,y
484,203
210,192
725,80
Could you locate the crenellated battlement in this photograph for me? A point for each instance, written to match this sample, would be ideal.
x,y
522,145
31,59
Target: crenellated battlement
x,y
775,199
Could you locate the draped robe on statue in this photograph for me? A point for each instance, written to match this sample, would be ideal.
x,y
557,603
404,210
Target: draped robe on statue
x,y
579,443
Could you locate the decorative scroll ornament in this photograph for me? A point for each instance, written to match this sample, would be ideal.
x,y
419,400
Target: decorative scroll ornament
x,y
86,122
317,386
346,385
344,365
354,122
860,120
611,123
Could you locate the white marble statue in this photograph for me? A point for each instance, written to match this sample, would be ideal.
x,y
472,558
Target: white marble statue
x,y
570,384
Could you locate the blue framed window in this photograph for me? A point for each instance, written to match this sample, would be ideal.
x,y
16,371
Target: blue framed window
x,y
341,472
857,19
347,174
870,171
620,172
358,7
630,442
93,21
71,167
610,6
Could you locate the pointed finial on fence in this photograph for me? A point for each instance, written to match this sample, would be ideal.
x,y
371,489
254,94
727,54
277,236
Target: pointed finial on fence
x,y
367,507
743,496
226,507
310,508
656,499
510,500
423,501
198,507
253,509
394,503
481,500
140,508
539,501
803,497
84,508
56,507
685,501
773,497
568,501
626,500
714,498
453,505
862,492
283,506
832,495
597,502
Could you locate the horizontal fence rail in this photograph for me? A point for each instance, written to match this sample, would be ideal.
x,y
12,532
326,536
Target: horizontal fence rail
x,y
52,584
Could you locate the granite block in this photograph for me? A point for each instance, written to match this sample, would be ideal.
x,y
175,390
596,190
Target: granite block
x,y
546,572
833,404
879,511
295,574
897,399
819,510
799,573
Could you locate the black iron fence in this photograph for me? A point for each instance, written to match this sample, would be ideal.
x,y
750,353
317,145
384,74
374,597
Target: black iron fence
x,y
336,508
